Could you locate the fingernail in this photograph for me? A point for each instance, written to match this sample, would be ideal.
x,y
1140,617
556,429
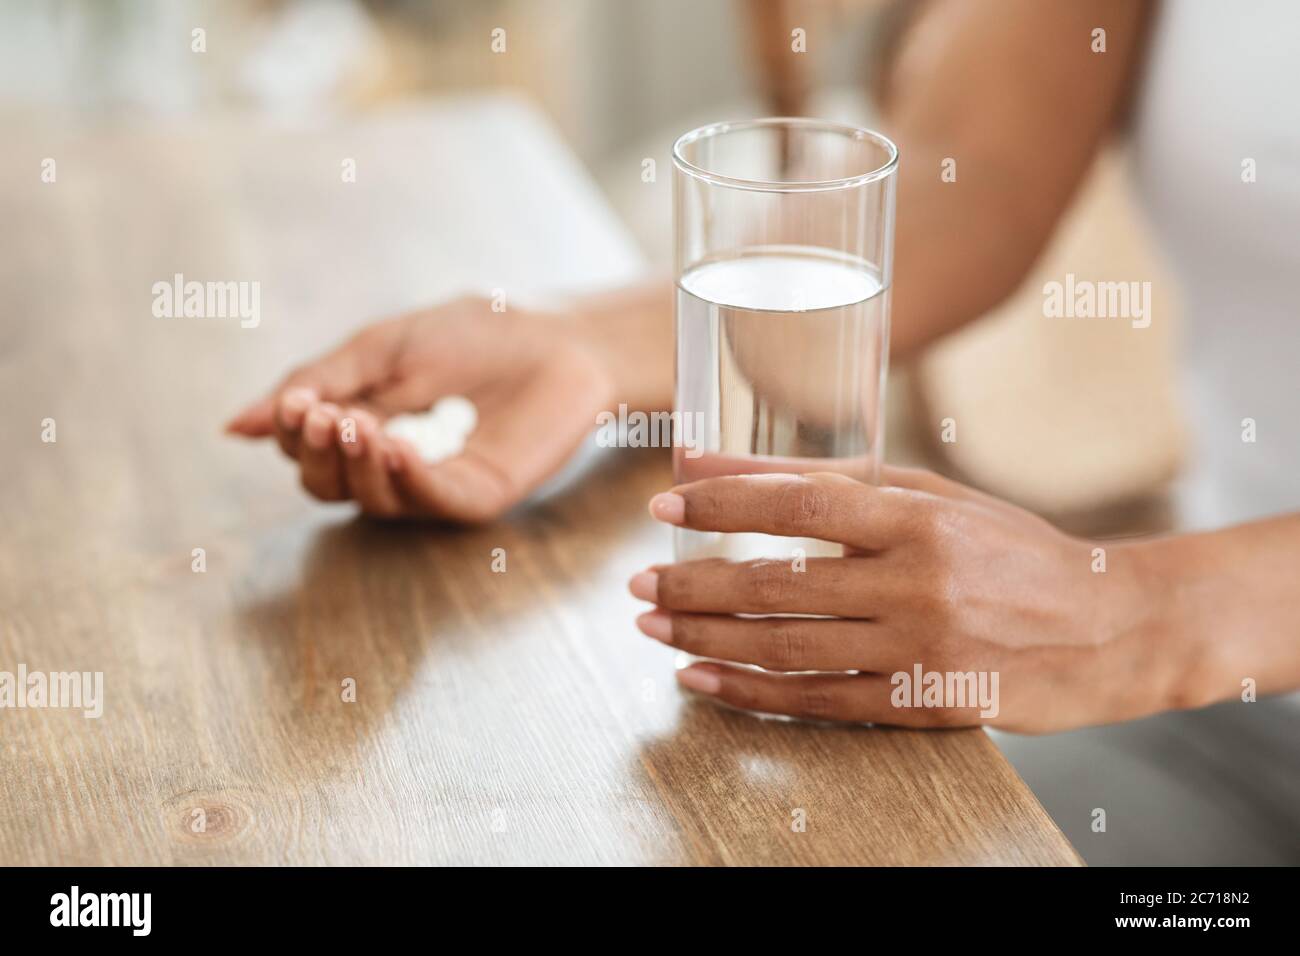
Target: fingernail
x,y
393,458
316,429
656,624
669,507
294,404
698,679
644,585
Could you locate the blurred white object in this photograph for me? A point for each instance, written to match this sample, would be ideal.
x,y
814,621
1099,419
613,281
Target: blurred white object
x,y
456,413
303,59
439,433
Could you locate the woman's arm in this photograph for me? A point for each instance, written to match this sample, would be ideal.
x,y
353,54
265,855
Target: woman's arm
x,y
1228,602
1013,93
630,330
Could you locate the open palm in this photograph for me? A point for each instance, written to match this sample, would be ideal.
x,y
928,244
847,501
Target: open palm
x,y
537,388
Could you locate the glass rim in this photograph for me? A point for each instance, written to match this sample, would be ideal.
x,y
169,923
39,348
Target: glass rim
x,y
762,185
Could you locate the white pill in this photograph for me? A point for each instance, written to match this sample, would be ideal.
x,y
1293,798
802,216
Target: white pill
x,y
456,413
439,433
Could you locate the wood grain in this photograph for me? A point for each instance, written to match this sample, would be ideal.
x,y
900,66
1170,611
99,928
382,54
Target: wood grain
x,y
509,717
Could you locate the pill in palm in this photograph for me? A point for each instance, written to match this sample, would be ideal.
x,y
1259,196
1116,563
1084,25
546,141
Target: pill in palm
x,y
456,413
439,433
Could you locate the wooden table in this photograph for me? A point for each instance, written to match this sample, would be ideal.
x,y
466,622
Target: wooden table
x,y
510,717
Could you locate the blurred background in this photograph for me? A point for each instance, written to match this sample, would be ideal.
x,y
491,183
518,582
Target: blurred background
x,y
617,81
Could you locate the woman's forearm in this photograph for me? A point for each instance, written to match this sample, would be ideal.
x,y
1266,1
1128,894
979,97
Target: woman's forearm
x,y
631,331
1223,607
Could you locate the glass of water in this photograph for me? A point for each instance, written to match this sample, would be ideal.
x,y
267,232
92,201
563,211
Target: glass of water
x,y
784,237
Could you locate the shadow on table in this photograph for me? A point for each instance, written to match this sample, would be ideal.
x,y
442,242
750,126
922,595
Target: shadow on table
x,y
373,598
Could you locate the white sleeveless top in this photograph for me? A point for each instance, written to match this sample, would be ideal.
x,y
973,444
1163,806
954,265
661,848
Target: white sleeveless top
x,y
1219,104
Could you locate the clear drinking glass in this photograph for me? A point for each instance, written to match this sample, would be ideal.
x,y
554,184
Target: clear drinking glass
x,y
784,237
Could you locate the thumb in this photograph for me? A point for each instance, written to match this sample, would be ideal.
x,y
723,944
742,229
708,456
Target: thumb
x,y
337,377
255,421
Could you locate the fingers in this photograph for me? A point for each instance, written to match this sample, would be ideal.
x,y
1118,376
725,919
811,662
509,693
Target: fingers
x,y
918,479
861,698
340,455
781,643
718,465
921,479
365,467
289,412
255,421
828,506
861,587
320,460
354,366
856,698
